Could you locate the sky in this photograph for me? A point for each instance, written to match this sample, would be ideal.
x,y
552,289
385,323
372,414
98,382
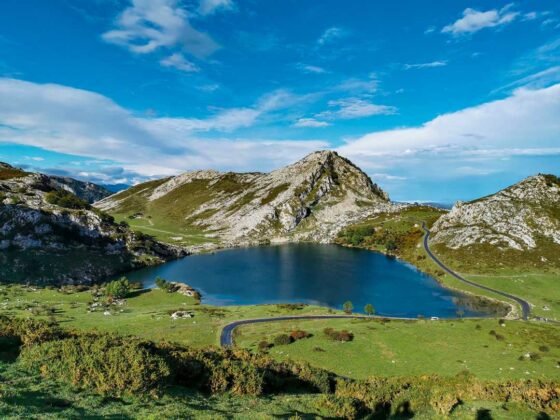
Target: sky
x,y
434,100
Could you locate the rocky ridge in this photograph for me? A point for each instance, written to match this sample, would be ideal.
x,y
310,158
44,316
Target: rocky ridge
x,y
310,200
518,217
43,242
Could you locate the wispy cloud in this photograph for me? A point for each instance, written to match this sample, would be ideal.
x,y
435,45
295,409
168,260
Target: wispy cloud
x,y
474,20
306,68
209,7
179,62
84,123
331,34
352,108
149,25
310,122
431,64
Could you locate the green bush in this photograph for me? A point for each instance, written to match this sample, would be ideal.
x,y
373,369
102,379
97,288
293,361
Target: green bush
x,y
118,289
165,285
299,334
66,199
107,364
343,335
282,340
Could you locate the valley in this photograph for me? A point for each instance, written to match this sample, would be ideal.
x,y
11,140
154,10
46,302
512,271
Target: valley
x,y
321,201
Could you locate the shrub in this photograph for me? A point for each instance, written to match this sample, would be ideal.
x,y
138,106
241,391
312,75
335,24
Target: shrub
x,y
118,289
544,349
343,335
165,285
282,340
66,199
106,364
341,407
299,334
264,345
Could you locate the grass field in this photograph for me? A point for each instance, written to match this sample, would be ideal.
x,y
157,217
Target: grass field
x,y
146,313
400,348
379,348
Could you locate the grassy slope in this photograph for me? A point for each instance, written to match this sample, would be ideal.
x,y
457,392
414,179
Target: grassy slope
x,y
515,273
26,396
399,348
168,218
146,314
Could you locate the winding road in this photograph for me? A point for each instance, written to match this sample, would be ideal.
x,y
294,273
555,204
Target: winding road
x,y
525,307
226,337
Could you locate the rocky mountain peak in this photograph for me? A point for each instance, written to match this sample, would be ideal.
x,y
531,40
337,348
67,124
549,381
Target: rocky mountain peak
x,y
311,199
517,217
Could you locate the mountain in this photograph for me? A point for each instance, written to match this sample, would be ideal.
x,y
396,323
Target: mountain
x,y
311,199
524,217
49,235
85,190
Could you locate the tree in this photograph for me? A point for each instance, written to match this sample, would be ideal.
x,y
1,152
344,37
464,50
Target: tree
x,y
369,309
348,307
118,289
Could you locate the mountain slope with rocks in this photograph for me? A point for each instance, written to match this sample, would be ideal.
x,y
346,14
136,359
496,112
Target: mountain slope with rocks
x,y
49,235
521,221
310,200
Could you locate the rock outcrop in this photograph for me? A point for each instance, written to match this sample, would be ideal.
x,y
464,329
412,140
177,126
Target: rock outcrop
x,y
518,217
310,200
41,242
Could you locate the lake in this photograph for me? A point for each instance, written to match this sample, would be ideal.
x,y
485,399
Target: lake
x,y
326,275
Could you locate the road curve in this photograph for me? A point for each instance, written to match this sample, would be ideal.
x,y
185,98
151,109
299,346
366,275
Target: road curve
x,y
226,338
525,307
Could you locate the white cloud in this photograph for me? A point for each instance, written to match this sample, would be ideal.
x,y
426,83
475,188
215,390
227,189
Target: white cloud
x,y
305,68
351,108
208,7
148,25
526,123
179,62
310,122
330,35
425,65
474,20
83,123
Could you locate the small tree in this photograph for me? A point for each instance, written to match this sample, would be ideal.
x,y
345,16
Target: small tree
x,y
369,309
118,289
348,307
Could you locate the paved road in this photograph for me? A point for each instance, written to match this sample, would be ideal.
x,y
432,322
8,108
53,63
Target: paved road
x,y
226,338
525,307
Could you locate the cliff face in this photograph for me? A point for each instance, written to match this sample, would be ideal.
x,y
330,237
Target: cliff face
x,y
41,242
311,199
520,217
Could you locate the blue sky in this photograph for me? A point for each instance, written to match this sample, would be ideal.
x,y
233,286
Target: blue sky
x,y
435,100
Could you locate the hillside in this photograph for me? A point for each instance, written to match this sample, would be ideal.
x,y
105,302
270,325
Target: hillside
x,y
311,199
49,235
518,226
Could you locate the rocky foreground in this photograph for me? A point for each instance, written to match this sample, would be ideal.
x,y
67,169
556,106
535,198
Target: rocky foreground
x,y
48,234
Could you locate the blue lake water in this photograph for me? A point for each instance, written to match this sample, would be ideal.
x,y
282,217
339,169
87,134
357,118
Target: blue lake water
x,y
326,275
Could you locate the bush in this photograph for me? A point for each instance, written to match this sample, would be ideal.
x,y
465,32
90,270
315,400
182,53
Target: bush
x,y
66,199
299,334
165,285
282,340
106,364
118,289
343,335
544,349
264,345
